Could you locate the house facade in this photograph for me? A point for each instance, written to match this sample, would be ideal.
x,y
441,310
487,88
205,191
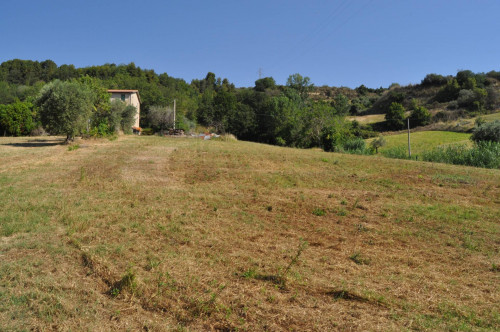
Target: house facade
x,y
130,97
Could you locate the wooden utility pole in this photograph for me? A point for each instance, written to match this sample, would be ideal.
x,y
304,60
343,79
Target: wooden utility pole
x,y
174,115
409,146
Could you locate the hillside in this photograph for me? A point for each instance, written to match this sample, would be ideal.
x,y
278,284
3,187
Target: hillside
x,y
148,233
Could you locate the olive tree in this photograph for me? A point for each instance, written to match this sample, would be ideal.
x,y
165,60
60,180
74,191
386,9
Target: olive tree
x,y
161,117
65,108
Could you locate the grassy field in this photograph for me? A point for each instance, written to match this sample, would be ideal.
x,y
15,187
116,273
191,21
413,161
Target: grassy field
x,y
365,119
423,140
154,234
491,117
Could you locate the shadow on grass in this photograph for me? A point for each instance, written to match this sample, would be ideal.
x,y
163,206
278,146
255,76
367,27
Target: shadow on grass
x,y
36,143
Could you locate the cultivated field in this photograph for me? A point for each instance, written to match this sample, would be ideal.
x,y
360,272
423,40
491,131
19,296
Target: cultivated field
x,y
154,234
423,140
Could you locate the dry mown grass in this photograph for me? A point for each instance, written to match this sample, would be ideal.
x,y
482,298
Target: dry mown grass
x,y
183,234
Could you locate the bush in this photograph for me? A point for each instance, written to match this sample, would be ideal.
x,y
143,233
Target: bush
x,y
147,131
395,116
355,145
420,116
434,80
17,119
489,131
333,137
128,118
472,99
448,92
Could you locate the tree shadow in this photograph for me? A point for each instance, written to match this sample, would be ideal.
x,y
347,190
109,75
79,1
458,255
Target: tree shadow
x,y
36,143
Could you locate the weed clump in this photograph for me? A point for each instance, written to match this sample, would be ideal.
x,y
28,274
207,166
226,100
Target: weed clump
x,y
319,212
127,283
359,258
73,147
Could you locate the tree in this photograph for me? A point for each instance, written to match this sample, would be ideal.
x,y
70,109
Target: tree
x,y
161,117
265,83
17,119
420,116
299,83
434,80
102,116
378,143
448,92
341,104
395,116
65,108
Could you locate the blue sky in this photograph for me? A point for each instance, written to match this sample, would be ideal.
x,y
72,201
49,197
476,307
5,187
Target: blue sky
x,y
335,43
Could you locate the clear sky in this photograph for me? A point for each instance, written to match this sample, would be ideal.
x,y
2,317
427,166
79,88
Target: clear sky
x,y
335,43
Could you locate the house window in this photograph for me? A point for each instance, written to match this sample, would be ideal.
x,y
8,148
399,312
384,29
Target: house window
x,y
123,97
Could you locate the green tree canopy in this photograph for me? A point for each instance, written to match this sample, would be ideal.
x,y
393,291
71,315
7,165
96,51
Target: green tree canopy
x,y
420,116
395,116
65,108
18,118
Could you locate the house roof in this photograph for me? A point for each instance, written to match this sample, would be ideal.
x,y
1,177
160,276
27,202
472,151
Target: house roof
x,y
125,91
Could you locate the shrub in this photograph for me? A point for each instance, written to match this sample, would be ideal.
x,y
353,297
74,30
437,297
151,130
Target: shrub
x,y
147,131
17,119
472,99
489,131
395,116
128,118
448,92
333,137
355,145
420,116
434,80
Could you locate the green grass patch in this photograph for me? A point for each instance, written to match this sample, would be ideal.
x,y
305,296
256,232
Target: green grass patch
x,y
421,141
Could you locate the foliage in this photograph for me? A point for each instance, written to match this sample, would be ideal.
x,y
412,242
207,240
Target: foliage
x,y
288,115
102,115
489,131
341,104
448,92
264,84
434,80
18,118
161,118
128,118
472,100
334,136
397,152
420,116
483,154
395,116
300,84
355,145
377,143
65,107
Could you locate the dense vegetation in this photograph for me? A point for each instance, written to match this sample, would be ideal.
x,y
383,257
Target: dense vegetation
x,y
297,114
